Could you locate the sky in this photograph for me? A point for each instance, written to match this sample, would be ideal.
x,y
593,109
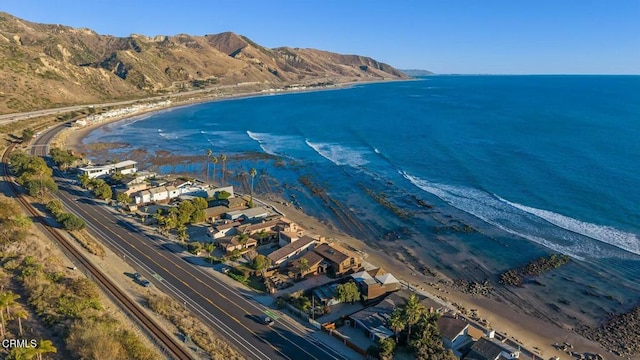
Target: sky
x,y
443,36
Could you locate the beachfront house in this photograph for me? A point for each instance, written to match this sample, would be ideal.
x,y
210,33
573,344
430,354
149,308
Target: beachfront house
x,y
291,250
454,332
220,230
288,232
96,171
373,320
247,214
342,260
491,349
309,263
232,243
375,283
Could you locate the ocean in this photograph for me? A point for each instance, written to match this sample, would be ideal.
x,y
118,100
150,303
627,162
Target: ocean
x,y
531,164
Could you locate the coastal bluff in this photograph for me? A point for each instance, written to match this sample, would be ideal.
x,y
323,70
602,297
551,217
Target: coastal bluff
x,y
46,66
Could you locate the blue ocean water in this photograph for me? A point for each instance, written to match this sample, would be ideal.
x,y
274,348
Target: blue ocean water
x,y
548,162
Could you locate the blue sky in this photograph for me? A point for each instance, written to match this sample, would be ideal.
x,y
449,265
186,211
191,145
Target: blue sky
x,y
445,36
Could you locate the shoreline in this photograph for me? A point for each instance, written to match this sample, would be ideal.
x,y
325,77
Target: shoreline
x,y
532,331
73,141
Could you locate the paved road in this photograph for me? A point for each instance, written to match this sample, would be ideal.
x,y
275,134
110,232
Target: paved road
x,y
230,312
9,118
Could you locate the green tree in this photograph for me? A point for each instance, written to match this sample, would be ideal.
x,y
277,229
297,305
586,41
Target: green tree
x,y
223,195
200,203
209,248
185,210
209,153
85,180
13,225
397,322
413,311
73,223
214,161
223,158
427,343
62,158
123,199
261,263
20,314
39,187
7,300
102,190
304,266
182,233
55,206
45,347
253,174
348,292
198,216
386,347
27,135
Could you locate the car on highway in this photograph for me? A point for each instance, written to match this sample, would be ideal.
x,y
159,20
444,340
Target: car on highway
x,y
265,319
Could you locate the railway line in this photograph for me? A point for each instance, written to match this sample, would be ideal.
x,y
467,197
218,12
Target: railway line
x,y
168,343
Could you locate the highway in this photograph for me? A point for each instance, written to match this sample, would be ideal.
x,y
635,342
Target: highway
x,y
231,313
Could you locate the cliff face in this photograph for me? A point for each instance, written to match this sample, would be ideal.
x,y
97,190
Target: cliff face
x,y
53,65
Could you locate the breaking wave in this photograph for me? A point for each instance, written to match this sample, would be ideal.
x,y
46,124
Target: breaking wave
x,y
533,224
275,144
339,154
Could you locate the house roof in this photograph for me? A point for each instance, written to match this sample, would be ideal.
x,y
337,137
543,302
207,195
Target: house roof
x,y
235,202
361,276
450,327
215,211
158,190
225,226
376,272
290,248
484,349
228,241
312,258
377,315
259,226
333,252
387,279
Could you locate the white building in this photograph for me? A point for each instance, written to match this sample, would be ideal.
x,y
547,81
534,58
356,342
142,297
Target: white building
x,y
123,167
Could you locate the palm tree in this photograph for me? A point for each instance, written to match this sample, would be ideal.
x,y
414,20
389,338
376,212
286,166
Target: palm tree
x,y
20,314
413,311
209,152
209,247
182,233
396,322
214,160
223,158
253,174
7,299
45,346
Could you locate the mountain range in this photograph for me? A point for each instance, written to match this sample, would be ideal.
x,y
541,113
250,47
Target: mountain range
x,y
46,66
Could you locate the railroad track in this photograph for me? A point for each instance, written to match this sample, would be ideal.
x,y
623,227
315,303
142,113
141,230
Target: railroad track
x,y
167,342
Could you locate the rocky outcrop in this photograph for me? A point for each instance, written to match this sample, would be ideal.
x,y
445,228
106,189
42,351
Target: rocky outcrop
x,y
620,335
515,277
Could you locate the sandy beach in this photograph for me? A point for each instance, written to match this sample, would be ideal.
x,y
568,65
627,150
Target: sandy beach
x,y
511,318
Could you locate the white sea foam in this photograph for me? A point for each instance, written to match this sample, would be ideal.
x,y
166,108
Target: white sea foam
x,y
276,144
339,154
607,234
520,222
376,150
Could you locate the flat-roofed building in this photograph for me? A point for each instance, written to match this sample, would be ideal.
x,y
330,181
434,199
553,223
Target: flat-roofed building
x,y
96,171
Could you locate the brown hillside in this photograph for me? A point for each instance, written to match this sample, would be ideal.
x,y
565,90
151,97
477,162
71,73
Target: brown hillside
x,y
44,66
